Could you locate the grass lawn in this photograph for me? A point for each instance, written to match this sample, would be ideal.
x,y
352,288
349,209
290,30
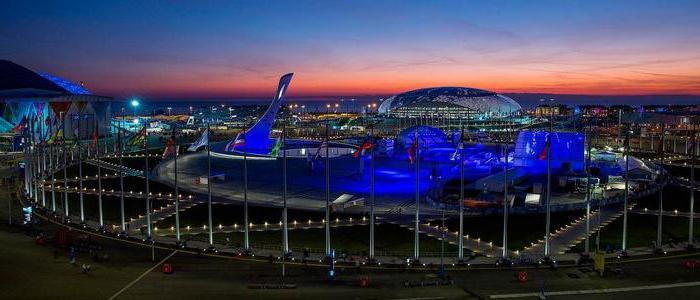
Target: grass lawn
x,y
110,207
641,231
675,197
522,229
227,215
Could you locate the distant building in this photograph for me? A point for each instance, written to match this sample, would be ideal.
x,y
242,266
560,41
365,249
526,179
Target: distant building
x,y
552,110
599,111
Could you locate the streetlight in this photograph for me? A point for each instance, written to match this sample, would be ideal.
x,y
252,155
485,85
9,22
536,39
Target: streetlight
x,y
134,105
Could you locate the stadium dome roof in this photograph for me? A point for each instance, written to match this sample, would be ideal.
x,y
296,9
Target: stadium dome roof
x,y
18,81
480,101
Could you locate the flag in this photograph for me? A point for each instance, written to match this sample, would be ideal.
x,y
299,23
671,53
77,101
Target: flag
x,y
278,145
413,150
239,141
323,145
545,151
75,124
203,140
456,154
93,140
58,134
138,138
361,151
170,149
21,125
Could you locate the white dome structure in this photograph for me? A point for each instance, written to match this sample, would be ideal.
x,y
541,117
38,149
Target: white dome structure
x,y
459,102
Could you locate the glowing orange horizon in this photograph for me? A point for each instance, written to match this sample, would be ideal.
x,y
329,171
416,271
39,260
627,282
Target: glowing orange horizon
x,y
347,85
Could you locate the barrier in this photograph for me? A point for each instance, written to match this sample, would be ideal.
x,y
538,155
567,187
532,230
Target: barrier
x,y
522,276
167,268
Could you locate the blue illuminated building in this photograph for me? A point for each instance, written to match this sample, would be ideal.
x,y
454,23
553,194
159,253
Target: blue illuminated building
x,y
567,148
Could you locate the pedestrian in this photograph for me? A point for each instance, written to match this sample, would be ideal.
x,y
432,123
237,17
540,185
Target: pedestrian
x,y
71,255
542,296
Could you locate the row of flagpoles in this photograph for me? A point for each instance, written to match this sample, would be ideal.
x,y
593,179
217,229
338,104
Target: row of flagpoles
x,y
37,144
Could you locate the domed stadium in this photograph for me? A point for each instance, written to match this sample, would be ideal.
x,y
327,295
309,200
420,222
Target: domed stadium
x,y
450,102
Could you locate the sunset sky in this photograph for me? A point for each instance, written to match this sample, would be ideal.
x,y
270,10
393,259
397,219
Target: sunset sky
x,y
346,48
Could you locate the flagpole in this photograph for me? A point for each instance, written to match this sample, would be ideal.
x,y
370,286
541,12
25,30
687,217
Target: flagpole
x,y
43,163
108,129
65,166
506,202
588,194
328,198
99,172
549,184
660,224
460,240
416,241
211,230
285,234
692,189
600,203
28,164
25,149
146,173
52,162
121,174
371,196
246,233
35,164
177,191
32,153
626,194
80,174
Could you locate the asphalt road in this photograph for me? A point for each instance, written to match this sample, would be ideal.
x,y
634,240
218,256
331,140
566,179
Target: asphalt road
x,y
31,272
